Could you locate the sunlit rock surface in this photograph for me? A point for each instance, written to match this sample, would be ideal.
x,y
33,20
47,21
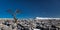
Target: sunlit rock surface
x,y
30,23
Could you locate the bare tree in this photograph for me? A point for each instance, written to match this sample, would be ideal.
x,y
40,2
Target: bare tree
x,y
14,13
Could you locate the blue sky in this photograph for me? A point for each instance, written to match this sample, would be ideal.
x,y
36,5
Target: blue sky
x,y
31,8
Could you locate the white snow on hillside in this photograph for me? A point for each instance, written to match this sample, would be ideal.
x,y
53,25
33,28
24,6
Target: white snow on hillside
x,y
45,18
